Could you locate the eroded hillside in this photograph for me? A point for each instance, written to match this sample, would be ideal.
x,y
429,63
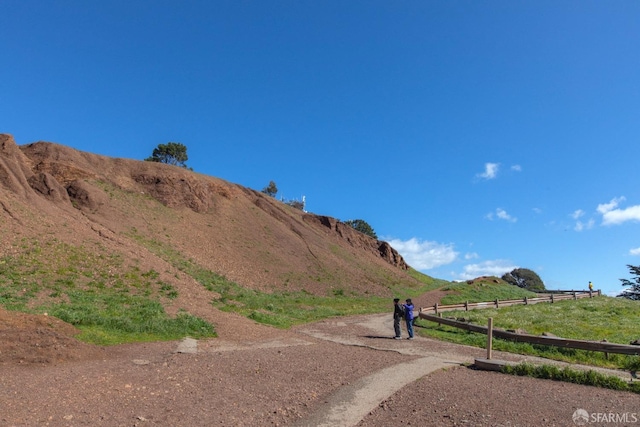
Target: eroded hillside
x,y
150,217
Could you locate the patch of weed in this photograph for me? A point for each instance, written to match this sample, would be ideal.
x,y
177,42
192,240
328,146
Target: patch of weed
x,y
566,374
108,300
116,318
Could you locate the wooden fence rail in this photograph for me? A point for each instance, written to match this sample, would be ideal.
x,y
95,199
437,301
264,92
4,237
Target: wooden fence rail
x,y
551,297
605,347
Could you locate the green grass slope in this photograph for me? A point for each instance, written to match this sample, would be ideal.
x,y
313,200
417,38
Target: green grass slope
x,y
592,319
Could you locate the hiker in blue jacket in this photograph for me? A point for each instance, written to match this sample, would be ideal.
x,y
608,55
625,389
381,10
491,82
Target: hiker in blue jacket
x,y
408,316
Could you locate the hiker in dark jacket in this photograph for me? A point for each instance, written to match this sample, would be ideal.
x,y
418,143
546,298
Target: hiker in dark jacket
x,y
408,316
398,314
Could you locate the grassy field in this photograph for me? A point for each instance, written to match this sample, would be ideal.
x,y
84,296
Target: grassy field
x,y
285,309
594,319
481,291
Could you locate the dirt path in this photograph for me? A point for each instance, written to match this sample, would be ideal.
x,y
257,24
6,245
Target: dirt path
x,y
339,372
350,405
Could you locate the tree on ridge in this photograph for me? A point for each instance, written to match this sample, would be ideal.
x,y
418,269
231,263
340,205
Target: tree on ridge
x,y
271,189
524,278
633,293
171,153
362,226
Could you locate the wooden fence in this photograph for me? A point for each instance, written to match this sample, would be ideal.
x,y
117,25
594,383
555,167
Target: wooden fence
x,y
432,314
550,296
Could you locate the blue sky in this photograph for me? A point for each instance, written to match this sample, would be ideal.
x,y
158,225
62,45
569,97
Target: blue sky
x,y
475,136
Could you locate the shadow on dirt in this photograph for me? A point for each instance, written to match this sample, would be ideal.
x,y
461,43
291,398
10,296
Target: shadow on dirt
x,y
378,337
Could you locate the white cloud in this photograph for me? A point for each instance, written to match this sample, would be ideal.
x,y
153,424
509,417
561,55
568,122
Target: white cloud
x,y
500,214
608,207
490,171
580,226
577,214
537,210
516,168
424,255
618,216
487,268
635,251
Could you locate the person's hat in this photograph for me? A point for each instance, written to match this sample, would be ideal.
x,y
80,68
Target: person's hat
x,y
396,299
408,300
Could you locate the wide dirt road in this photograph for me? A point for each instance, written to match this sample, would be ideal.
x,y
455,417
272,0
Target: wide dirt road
x,y
341,372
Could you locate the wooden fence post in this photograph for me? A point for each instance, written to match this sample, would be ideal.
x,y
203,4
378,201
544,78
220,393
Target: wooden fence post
x,y
489,337
525,301
435,307
574,295
497,303
551,298
466,306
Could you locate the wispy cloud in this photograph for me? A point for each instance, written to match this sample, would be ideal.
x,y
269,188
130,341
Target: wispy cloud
x,y
496,267
516,168
490,171
424,255
500,214
471,255
577,214
581,226
635,251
